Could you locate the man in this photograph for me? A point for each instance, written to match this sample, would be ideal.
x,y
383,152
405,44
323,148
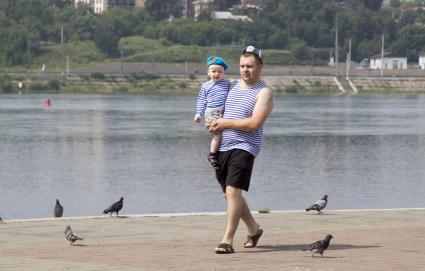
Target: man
x,y
247,107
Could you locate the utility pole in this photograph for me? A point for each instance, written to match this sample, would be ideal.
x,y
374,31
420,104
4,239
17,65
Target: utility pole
x,y
311,60
122,61
349,58
67,65
382,56
336,48
63,52
28,54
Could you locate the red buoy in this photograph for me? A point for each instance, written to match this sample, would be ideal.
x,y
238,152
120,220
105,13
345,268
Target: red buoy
x,y
47,103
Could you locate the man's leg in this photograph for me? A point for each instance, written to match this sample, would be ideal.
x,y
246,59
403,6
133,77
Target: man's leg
x,y
235,203
248,219
237,208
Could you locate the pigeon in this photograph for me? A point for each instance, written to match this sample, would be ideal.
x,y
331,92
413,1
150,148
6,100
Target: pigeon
x,y
319,246
319,205
58,209
115,208
71,236
1,219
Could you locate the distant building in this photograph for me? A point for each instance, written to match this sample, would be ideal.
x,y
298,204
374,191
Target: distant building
x,y
199,6
250,3
193,8
140,3
390,62
226,15
422,61
188,9
100,6
387,2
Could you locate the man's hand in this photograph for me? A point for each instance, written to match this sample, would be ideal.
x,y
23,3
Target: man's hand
x,y
215,126
263,107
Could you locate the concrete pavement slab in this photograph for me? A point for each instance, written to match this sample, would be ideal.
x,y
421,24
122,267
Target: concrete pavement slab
x,y
363,240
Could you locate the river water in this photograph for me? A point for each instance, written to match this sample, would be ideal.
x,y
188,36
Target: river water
x,y
89,150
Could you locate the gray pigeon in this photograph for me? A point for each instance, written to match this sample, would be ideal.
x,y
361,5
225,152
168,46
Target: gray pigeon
x,y
115,208
319,246
71,236
319,205
1,219
58,209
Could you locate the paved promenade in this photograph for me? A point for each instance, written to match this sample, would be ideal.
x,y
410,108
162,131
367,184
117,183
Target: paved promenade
x,y
363,240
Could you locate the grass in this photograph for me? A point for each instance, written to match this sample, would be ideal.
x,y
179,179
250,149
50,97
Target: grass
x,y
140,49
136,49
79,54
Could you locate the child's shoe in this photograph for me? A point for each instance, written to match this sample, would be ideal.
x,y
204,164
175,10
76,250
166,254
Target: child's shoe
x,y
213,160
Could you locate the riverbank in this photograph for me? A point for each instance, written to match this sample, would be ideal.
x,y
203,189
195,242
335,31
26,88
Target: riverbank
x,y
363,240
139,84
187,77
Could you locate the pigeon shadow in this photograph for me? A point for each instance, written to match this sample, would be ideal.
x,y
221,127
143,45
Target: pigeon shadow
x,y
322,214
118,216
323,257
348,246
299,247
78,245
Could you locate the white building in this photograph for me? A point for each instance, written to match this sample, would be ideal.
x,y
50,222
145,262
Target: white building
x,y
100,6
199,6
251,4
422,62
389,62
226,15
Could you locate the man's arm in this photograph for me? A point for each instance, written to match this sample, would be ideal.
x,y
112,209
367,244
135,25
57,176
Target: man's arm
x,y
263,107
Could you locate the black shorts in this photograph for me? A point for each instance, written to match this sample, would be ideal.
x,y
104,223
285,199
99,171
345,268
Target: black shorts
x,y
235,169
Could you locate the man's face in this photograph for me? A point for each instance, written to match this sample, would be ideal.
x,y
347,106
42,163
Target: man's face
x,y
249,69
216,72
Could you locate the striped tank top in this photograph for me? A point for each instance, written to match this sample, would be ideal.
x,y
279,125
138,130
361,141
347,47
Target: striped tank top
x,y
240,105
212,95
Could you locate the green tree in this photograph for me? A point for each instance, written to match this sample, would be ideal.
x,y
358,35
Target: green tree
x,y
278,38
395,3
60,3
106,38
411,40
4,22
162,9
373,5
14,44
225,4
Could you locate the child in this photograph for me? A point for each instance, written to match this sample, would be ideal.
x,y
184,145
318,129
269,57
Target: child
x,y
211,99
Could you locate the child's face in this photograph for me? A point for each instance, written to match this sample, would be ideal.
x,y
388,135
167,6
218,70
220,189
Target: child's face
x,y
216,72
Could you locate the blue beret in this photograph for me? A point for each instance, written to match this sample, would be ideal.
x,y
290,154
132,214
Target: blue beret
x,y
215,60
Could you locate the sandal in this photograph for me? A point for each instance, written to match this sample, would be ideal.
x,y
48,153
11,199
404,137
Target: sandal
x,y
212,160
252,240
223,248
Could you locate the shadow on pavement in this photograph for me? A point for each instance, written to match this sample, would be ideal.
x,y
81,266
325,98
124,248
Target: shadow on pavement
x,y
296,247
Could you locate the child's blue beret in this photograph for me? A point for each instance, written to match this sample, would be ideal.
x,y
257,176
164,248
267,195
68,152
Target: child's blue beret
x,y
215,60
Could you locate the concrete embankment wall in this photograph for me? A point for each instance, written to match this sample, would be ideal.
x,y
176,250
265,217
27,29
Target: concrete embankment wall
x,y
390,84
283,79
364,85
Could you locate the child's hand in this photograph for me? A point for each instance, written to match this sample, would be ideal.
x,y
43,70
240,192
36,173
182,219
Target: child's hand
x,y
197,118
